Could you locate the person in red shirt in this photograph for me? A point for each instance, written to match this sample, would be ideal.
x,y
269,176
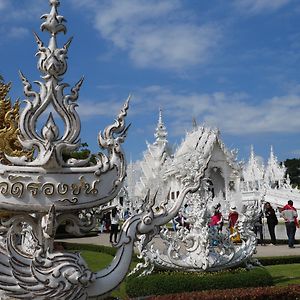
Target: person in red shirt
x,y
215,225
232,219
217,219
289,213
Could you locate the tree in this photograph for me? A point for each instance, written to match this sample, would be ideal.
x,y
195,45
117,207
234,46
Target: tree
x,y
293,169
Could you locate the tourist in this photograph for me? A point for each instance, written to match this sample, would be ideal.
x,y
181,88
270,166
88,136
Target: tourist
x,y
126,214
289,213
232,219
101,225
272,221
186,213
115,219
179,220
106,221
258,228
217,218
216,224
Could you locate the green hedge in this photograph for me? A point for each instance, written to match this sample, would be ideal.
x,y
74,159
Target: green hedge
x,y
279,260
179,282
290,292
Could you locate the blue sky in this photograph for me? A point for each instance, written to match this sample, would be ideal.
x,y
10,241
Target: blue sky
x,y
232,64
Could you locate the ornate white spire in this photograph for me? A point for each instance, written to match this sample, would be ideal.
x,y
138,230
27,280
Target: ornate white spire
x,y
161,131
253,171
52,64
274,173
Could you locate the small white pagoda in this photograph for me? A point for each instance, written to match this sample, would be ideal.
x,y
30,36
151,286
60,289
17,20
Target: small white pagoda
x,y
270,179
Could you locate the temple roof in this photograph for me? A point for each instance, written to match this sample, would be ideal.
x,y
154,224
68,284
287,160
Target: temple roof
x,y
200,142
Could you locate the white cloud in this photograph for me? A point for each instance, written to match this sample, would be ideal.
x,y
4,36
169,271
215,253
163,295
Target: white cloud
x,y
3,4
96,108
17,32
14,14
259,6
232,113
160,34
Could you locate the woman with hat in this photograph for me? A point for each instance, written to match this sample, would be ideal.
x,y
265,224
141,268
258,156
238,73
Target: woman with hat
x,y
232,219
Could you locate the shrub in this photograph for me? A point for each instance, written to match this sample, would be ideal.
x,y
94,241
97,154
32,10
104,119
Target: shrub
x,y
279,260
287,293
178,282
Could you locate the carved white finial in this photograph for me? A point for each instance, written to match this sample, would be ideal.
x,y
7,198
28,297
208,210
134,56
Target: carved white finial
x,y
52,64
161,131
252,155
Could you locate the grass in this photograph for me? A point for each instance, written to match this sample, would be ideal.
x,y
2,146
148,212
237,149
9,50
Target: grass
x,y
282,274
96,260
285,274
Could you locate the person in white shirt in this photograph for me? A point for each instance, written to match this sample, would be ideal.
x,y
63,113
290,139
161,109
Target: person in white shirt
x,y
114,227
289,213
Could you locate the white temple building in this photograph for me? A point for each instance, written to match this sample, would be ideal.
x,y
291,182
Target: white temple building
x,y
222,169
161,166
270,179
231,182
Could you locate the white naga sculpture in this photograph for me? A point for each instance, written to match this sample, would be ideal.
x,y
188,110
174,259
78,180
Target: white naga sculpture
x,y
40,193
198,246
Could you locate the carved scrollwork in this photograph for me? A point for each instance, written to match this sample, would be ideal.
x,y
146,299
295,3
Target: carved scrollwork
x,y
73,200
40,274
17,189
4,188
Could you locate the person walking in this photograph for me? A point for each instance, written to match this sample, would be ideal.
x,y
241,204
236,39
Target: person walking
x,y
272,221
289,213
258,228
114,226
232,219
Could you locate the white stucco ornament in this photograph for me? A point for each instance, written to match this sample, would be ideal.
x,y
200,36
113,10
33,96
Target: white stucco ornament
x,y
200,247
38,194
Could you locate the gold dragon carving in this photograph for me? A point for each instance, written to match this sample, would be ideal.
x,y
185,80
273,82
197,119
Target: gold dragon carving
x,y
9,130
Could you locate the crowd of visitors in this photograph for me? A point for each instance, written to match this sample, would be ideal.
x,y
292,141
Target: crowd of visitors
x,y
110,223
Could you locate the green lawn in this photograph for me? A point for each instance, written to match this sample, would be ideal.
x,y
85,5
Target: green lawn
x,y
285,274
281,274
96,260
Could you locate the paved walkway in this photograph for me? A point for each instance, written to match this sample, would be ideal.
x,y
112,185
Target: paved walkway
x,y
262,251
